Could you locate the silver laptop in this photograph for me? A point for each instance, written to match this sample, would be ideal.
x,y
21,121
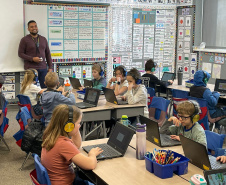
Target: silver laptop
x,y
117,144
197,154
90,100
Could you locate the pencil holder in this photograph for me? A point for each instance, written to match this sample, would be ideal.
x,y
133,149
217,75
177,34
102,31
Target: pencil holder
x,y
167,170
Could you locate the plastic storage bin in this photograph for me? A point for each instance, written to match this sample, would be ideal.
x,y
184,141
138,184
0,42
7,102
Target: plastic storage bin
x,y
189,83
81,94
167,170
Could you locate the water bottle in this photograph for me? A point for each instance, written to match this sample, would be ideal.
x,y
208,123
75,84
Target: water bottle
x,y
180,76
67,87
140,141
124,120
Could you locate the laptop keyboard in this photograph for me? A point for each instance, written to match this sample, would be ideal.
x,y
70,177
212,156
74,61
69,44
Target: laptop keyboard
x,y
84,105
215,164
167,141
108,151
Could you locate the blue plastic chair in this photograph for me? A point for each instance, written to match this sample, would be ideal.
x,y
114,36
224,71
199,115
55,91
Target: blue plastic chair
x,y
214,141
42,174
158,109
151,92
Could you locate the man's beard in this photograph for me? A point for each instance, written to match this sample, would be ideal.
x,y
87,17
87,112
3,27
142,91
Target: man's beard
x,y
33,33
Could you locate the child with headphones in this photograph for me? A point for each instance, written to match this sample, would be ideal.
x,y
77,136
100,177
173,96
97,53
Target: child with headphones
x,y
149,79
199,90
60,147
186,124
137,93
53,96
120,83
30,89
99,81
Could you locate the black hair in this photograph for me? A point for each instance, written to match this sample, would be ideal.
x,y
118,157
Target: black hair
x,y
122,70
134,73
149,65
31,21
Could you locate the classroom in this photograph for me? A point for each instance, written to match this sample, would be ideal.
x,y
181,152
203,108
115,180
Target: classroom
x,y
112,92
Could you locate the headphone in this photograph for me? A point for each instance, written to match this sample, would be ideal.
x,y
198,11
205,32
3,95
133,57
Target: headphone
x,y
153,68
101,73
121,67
36,76
69,125
205,79
137,80
195,117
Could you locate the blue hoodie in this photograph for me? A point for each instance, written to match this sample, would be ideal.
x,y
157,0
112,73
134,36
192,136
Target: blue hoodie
x,y
200,90
51,99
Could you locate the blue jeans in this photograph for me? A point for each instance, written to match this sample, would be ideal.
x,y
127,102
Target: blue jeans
x,y
41,77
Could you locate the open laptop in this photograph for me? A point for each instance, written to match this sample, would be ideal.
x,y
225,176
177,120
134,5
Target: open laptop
x,y
88,83
167,76
75,83
117,144
215,177
110,97
220,86
197,154
90,100
153,135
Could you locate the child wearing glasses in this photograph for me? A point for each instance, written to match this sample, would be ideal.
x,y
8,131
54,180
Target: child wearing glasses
x,y
186,124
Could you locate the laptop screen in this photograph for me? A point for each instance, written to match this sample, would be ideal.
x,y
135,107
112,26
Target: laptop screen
x,y
167,76
220,85
92,96
120,138
215,177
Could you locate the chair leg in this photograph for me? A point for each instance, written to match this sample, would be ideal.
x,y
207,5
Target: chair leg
x,y
213,127
1,138
25,160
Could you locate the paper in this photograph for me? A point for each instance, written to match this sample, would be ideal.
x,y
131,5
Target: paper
x,y
65,71
9,79
116,60
216,71
9,95
188,21
192,70
219,60
207,67
193,59
181,21
8,87
180,33
87,71
77,72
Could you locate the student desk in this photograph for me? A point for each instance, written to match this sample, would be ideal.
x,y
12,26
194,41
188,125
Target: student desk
x,y
192,169
127,170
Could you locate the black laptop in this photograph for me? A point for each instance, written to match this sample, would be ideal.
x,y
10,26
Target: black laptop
x,y
215,177
197,154
117,144
90,100
153,135
220,86
75,83
88,83
110,97
167,76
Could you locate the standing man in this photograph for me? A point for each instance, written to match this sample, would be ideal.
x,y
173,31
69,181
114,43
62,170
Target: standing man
x,y
34,50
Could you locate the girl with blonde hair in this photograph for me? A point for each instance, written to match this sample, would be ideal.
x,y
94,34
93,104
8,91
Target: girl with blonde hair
x,y
61,143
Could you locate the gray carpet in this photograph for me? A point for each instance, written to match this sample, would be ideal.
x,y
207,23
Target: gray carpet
x,y
11,161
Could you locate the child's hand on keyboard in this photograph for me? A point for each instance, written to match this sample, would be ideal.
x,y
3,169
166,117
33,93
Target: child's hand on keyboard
x,y
175,137
222,159
95,151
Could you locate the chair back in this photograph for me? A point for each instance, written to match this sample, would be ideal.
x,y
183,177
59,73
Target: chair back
x,y
214,140
203,115
151,93
158,109
4,122
177,97
42,174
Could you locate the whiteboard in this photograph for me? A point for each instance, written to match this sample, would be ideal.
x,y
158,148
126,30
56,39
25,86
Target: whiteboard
x,y
11,32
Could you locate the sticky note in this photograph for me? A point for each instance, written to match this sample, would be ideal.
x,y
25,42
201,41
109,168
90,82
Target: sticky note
x,y
135,16
138,20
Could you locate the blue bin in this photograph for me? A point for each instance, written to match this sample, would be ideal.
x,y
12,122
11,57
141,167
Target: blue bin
x,y
166,171
81,94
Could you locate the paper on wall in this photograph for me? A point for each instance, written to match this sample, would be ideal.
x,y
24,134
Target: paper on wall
x,y
207,67
216,71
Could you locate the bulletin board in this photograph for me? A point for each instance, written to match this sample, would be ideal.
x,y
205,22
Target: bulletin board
x,y
139,34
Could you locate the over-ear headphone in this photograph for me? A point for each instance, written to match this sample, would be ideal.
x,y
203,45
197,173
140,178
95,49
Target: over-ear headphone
x,y
137,80
195,117
36,76
205,78
121,67
101,73
69,125
153,68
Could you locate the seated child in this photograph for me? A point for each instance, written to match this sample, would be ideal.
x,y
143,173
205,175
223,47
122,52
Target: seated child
x,y
2,97
52,97
121,84
150,80
199,90
99,81
187,124
30,89
137,93
60,147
